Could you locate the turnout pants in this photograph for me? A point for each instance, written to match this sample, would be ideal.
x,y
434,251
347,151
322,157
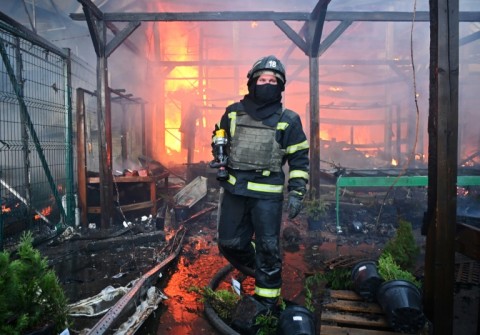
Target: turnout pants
x,y
242,219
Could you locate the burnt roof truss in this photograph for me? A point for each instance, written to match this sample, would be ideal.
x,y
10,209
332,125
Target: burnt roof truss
x,y
95,21
120,37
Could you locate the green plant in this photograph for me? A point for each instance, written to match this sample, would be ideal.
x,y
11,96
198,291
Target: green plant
x,y
403,247
336,279
222,301
390,270
31,296
267,324
316,208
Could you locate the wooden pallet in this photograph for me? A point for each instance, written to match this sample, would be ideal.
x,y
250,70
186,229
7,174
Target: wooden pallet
x,y
343,262
345,312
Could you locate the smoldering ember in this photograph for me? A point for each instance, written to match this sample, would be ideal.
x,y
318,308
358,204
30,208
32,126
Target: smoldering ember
x,y
112,174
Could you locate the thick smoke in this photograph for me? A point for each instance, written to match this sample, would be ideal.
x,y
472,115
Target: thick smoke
x,y
367,95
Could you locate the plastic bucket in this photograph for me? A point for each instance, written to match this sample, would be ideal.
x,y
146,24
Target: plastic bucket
x,y
366,280
401,302
296,320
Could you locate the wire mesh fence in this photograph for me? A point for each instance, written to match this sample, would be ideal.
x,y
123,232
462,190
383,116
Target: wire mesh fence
x,y
36,140
38,132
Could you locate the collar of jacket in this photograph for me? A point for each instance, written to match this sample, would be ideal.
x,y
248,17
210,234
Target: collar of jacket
x,y
269,114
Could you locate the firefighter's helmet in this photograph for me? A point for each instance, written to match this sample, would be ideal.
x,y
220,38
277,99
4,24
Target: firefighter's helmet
x,y
267,64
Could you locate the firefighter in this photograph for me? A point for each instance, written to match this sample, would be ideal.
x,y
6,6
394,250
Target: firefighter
x,y
262,137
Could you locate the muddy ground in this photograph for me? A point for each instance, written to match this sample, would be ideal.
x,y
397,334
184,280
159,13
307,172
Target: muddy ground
x,y
94,259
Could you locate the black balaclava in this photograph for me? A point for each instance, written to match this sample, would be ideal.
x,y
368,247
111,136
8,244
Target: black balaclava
x,y
262,101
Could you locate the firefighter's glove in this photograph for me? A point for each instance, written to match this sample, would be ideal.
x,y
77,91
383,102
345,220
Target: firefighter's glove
x,y
295,203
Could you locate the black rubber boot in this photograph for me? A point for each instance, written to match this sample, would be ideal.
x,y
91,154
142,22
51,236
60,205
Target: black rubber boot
x,y
269,303
245,315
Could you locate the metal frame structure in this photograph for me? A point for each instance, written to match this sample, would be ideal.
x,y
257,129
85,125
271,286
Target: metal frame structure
x,y
444,19
37,125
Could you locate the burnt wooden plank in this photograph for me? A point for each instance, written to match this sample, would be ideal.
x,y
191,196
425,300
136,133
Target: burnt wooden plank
x,y
344,295
125,208
343,261
354,306
335,330
131,179
347,313
420,16
372,321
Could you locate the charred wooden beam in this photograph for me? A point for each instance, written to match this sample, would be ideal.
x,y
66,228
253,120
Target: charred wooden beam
x,y
470,38
334,35
442,167
315,27
218,62
292,35
467,240
121,37
420,16
113,28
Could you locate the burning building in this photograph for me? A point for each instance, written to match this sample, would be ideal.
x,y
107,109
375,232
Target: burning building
x,y
358,73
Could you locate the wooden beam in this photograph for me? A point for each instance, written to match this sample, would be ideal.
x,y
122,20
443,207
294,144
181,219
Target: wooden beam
x,y
81,158
470,38
113,28
333,36
315,27
292,35
93,29
87,4
231,62
420,16
467,241
121,37
314,126
442,166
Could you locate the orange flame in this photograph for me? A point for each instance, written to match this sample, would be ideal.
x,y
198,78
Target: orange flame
x,y
45,212
324,134
6,209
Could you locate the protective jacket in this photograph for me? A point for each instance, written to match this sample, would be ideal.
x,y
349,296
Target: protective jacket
x,y
255,166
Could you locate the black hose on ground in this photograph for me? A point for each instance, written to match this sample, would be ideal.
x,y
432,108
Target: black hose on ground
x,y
212,316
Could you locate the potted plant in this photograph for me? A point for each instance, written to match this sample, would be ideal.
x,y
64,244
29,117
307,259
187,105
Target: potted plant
x,y
400,296
403,247
366,279
32,300
315,208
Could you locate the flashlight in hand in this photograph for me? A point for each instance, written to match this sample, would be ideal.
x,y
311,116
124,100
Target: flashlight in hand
x,y
219,147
